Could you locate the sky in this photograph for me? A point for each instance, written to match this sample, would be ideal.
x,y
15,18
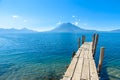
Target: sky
x,y
43,15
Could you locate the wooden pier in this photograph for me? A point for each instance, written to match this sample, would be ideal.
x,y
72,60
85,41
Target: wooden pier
x,y
82,66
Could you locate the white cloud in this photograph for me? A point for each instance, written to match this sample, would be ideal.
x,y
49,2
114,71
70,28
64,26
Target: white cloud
x,y
15,16
73,16
76,23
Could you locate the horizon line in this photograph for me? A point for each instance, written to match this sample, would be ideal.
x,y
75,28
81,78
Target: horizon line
x,y
39,30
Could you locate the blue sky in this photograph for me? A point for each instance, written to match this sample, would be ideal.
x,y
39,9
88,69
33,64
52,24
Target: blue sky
x,y
44,15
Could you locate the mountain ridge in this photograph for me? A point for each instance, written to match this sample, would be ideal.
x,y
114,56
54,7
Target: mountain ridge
x,y
13,30
116,30
69,27
63,28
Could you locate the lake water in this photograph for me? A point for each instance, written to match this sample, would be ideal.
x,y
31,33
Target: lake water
x,y
44,56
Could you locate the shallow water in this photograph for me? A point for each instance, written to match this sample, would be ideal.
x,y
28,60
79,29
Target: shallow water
x,y
44,56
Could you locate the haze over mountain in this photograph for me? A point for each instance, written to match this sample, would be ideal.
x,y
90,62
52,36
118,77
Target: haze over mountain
x,y
69,27
13,30
116,30
63,28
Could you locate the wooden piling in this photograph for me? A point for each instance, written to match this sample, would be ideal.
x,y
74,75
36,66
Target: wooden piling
x,y
96,41
78,43
93,39
83,39
73,54
101,58
95,44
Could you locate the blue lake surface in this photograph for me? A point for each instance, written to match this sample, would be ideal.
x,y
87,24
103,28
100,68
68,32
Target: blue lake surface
x,y
44,56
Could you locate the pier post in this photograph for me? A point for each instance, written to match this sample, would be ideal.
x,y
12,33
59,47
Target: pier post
x,y
83,39
96,41
101,58
73,54
95,44
78,43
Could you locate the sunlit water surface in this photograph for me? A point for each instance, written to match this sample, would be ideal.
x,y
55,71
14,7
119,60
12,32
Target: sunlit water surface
x,y
44,56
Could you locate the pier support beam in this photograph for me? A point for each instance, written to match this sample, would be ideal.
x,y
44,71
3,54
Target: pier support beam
x,y
73,54
83,39
78,43
101,58
95,43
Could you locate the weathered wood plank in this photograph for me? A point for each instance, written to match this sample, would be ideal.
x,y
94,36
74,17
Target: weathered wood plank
x,y
71,67
93,71
78,70
66,78
82,52
90,54
78,53
85,71
86,52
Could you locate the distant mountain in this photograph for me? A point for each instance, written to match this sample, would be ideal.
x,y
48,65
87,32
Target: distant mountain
x,y
117,30
13,30
68,27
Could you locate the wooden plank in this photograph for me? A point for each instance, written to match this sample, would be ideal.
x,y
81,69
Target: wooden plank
x,y
78,53
71,67
66,78
82,52
90,54
78,70
93,71
85,71
86,52
90,46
